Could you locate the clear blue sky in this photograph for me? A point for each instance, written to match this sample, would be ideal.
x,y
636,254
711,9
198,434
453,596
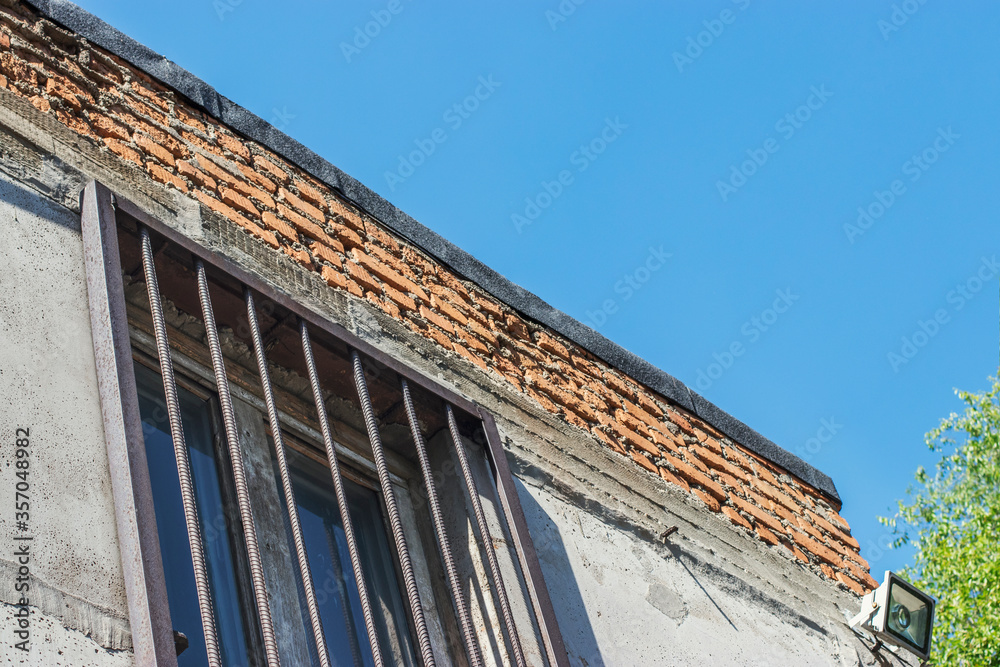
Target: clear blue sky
x,y
836,106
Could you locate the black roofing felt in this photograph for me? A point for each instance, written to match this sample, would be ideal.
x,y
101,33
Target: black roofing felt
x,y
252,126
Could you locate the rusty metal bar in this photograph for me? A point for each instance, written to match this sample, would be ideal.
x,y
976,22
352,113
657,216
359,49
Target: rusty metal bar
x,y
488,547
395,522
286,481
180,453
338,486
437,520
239,473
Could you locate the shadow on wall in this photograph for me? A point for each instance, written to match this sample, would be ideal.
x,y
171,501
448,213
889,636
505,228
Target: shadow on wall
x,y
571,612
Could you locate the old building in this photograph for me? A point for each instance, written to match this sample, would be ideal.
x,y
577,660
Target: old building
x,y
258,414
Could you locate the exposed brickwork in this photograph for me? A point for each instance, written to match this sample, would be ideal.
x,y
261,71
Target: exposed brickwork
x,y
155,129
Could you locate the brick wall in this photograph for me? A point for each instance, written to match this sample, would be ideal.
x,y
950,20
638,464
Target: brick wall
x,y
154,129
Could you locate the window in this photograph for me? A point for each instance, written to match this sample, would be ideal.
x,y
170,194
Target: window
x,y
285,491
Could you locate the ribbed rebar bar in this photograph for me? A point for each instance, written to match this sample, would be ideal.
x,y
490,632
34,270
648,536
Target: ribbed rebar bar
x,y
239,473
491,556
437,520
338,486
286,481
180,454
395,522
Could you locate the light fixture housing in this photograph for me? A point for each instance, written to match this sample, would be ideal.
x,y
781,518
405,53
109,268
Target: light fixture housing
x,y
898,614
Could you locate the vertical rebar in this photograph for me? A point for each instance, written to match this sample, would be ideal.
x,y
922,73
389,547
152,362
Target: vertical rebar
x,y
437,520
491,556
338,486
239,473
180,454
286,481
395,522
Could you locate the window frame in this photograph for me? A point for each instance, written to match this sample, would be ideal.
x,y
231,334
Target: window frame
x,y
149,614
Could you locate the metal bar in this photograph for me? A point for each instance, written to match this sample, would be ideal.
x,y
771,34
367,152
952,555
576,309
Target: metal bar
x,y
180,453
142,565
530,567
286,481
239,474
437,520
488,547
338,486
285,301
396,523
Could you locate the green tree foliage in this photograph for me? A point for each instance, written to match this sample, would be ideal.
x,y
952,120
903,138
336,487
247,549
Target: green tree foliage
x,y
953,522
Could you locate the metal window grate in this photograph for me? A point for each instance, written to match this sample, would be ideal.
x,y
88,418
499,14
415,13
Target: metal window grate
x,y
146,596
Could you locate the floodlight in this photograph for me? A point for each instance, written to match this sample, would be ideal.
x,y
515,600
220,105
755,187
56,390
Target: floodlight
x,y
898,614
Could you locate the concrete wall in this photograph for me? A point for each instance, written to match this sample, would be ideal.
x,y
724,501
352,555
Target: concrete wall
x,y
710,593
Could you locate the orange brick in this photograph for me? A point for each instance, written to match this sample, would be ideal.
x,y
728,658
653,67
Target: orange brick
x,y
550,344
641,459
441,322
154,149
236,200
400,299
124,151
458,347
696,477
798,554
827,570
323,251
758,514
674,479
196,175
301,205
363,278
231,214
157,97
391,276
248,190
163,176
310,194
274,171
821,550
232,144
735,517
335,278
850,583
308,227
259,179
614,444
767,535
272,221
106,127
708,499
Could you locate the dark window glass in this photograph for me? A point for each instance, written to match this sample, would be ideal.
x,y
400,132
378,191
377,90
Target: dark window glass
x,y
216,526
330,567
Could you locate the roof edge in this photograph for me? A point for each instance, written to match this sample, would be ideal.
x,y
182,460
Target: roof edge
x,y
253,127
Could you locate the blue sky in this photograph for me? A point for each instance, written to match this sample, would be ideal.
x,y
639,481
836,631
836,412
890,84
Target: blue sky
x,y
812,188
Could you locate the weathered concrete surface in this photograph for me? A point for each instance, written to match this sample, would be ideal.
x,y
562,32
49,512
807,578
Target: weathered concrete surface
x,y
56,646
48,384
